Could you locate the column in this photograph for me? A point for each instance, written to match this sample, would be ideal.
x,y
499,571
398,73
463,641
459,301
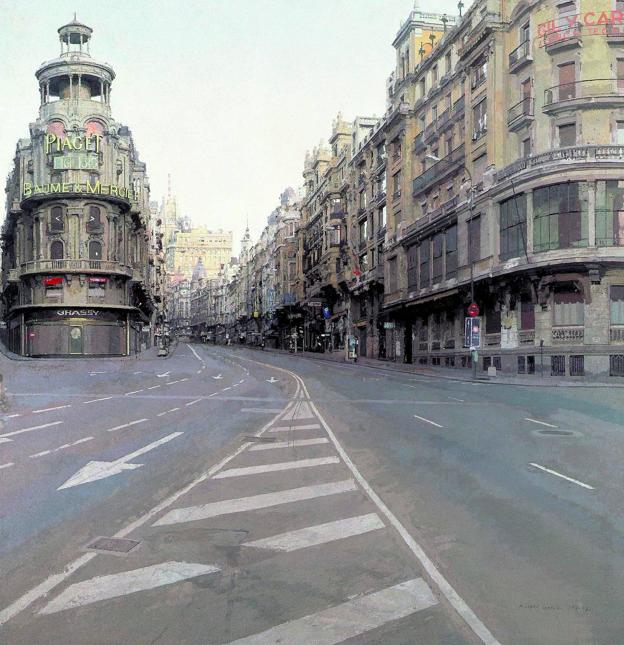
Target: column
x,y
529,221
79,75
101,91
47,92
71,86
591,213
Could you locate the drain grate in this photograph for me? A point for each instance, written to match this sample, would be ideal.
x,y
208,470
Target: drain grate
x,y
557,433
114,545
259,439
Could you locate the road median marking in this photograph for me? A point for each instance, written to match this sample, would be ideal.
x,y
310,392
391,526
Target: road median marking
x,y
562,476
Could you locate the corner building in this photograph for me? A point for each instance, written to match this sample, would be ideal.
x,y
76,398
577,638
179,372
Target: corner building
x,y
517,191
76,239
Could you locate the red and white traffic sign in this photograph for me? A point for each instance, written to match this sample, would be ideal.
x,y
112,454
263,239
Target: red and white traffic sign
x,y
473,309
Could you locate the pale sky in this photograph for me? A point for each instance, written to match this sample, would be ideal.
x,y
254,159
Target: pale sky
x,y
226,95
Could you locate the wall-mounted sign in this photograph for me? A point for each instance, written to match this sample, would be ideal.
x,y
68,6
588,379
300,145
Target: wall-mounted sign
x,y
592,23
388,325
53,282
84,313
76,161
54,143
29,189
98,280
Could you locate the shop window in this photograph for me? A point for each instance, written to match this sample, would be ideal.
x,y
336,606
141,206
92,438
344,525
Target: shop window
x,y
560,216
530,364
619,133
513,227
557,366
527,313
56,250
616,296
569,307
616,365
57,220
95,250
610,213
94,222
521,364
493,319
424,273
451,252
577,365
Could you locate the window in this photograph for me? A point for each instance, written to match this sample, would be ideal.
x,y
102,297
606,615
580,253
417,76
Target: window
x,y
392,275
412,267
567,79
474,239
493,319
513,227
610,213
425,278
434,75
56,250
396,181
334,236
560,216
363,262
448,62
382,217
567,134
363,231
57,222
619,133
525,147
479,73
95,250
434,113
451,252
525,33
93,222
421,85
479,119
527,313
438,255
620,75
616,294
363,199
569,306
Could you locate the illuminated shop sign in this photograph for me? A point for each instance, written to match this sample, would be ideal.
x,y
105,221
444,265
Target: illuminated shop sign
x,y
54,143
592,23
88,188
76,161
98,280
85,313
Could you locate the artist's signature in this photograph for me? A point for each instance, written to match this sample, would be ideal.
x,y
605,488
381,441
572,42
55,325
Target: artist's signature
x,y
579,609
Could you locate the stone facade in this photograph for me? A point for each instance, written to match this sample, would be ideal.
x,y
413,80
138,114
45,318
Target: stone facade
x,y
77,238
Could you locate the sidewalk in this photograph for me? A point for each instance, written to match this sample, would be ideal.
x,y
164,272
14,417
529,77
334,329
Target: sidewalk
x,y
447,373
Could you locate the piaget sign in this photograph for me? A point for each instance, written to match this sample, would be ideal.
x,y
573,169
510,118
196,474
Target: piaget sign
x,y
54,143
88,188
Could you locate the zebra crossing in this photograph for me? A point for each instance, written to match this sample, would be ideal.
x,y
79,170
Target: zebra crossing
x,y
285,534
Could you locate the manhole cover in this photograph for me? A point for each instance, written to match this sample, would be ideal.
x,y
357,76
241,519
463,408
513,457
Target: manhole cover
x,y
259,439
565,433
114,545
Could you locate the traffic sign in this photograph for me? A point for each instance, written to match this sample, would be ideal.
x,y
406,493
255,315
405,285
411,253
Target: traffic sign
x,y
473,309
472,332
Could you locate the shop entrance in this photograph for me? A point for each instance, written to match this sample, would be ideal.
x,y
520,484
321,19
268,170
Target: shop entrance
x,y
75,339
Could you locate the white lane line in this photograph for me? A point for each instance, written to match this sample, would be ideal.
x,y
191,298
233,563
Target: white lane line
x,y
6,440
153,387
183,379
213,394
198,372
242,380
542,423
162,414
309,426
104,398
190,403
127,582
197,356
319,534
54,580
282,465
65,445
137,372
269,410
289,444
556,474
349,619
133,392
226,388
23,430
8,465
235,385
127,425
172,382
433,423
255,502
58,407
13,416
454,399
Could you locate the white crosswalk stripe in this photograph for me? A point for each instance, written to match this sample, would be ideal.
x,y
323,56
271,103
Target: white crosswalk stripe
x,y
254,502
309,426
351,618
299,411
271,468
289,444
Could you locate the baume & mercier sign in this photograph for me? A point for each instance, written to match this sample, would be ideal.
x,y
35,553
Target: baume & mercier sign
x,y
90,188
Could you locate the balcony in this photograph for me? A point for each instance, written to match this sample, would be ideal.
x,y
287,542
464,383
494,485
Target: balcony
x,y
458,106
616,334
563,37
430,132
75,266
521,114
615,34
438,171
520,57
594,92
568,335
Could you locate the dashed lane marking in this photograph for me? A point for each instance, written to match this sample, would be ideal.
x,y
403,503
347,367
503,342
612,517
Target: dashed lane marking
x,y
271,468
190,403
127,425
127,582
65,445
433,423
289,444
319,534
197,356
58,407
255,502
133,392
31,429
6,465
454,399
13,416
226,388
351,618
154,387
172,382
556,474
541,423
162,414
104,398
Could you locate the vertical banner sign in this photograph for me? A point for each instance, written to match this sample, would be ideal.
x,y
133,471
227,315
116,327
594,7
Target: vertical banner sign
x,y
472,332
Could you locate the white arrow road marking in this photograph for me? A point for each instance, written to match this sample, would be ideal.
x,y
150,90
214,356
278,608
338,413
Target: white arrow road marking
x,y
15,432
163,375
270,468
255,502
352,618
289,444
319,534
272,380
218,377
95,470
127,582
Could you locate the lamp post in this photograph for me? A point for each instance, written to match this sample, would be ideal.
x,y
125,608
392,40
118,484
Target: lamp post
x,y
473,350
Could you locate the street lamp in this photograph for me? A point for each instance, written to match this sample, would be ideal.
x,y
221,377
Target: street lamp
x,y
435,159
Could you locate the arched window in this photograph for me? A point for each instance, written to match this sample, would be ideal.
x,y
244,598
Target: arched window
x,y
95,250
57,221
94,222
56,250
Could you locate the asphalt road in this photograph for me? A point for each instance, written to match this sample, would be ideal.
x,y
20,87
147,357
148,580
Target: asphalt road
x,y
230,495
